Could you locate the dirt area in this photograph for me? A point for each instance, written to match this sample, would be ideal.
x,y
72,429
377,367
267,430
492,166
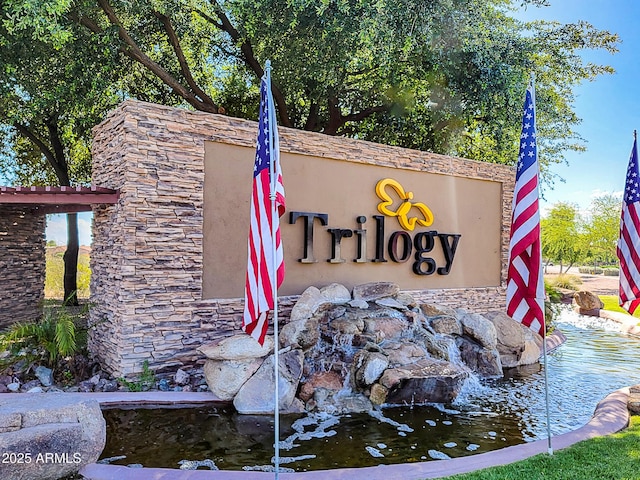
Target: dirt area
x,y
598,284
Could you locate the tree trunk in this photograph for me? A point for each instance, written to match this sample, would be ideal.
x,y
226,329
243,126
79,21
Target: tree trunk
x,y
71,261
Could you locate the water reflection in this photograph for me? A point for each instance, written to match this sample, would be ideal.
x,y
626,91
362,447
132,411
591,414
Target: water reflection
x,y
594,361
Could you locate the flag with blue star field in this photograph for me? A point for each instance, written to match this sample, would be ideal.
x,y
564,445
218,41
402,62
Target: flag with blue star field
x,y
525,285
628,250
264,230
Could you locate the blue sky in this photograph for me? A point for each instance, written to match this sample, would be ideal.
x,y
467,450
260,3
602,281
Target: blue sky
x,y
608,106
57,228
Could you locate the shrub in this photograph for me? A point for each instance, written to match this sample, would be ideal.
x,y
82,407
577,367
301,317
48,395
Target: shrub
x,y
590,270
570,282
143,383
552,305
611,272
46,341
554,295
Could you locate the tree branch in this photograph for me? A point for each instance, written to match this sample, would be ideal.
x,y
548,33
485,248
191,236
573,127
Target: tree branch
x,y
184,67
86,22
44,149
131,49
312,120
209,19
337,120
334,116
250,60
58,152
367,112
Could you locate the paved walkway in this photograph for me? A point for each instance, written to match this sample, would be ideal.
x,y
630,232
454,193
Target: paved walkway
x,y
611,415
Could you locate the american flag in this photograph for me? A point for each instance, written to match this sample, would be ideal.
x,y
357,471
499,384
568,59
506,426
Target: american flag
x,y
525,286
265,227
628,250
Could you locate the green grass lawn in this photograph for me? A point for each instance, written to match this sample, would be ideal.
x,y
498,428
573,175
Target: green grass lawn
x,y
614,457
611,303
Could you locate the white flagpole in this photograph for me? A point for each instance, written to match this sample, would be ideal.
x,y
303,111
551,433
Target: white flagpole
x,y
272,195
546,390
544,320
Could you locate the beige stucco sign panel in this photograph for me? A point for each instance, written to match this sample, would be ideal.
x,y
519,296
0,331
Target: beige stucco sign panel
x,y
344,190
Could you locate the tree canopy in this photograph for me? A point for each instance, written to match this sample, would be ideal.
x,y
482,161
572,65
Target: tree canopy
x,y
50,98
441,75
560,235
568,237
603,229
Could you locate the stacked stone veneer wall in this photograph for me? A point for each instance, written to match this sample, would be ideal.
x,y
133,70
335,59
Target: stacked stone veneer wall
x,y
147,249
22,265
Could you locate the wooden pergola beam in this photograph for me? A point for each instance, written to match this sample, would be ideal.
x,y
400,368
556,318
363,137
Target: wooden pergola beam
x,y
58,199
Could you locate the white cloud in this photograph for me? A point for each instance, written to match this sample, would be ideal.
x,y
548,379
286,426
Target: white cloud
x,y
596,192
57,228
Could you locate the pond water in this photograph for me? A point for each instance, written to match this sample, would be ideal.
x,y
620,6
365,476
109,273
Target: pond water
x,y
595,361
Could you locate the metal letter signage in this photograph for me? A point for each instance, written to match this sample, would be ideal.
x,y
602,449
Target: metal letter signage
x,y
400,244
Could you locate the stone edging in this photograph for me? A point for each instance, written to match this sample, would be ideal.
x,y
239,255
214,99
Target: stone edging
x,y
610,416
629,324
555,340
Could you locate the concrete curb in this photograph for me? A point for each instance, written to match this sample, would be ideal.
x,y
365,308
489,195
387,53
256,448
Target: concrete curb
x,y
611,415
141,399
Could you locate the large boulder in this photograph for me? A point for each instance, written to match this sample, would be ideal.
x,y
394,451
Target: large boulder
x,y
403,352
406,299
483,361
348,324
446,325
231,361
510,338
328,380
587,302
338,403
390,302
237,347
386,327
301,333
226,377
435,310
479,329
532,347
336,293
54,434
426,381
308,303
256,396
368,367
375,290
436,345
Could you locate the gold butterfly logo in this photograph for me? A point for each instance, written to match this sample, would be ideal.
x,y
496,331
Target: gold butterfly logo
x,y
402,212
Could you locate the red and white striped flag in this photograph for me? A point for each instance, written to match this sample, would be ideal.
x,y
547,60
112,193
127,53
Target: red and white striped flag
x,y
264,232
628,250
525,285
